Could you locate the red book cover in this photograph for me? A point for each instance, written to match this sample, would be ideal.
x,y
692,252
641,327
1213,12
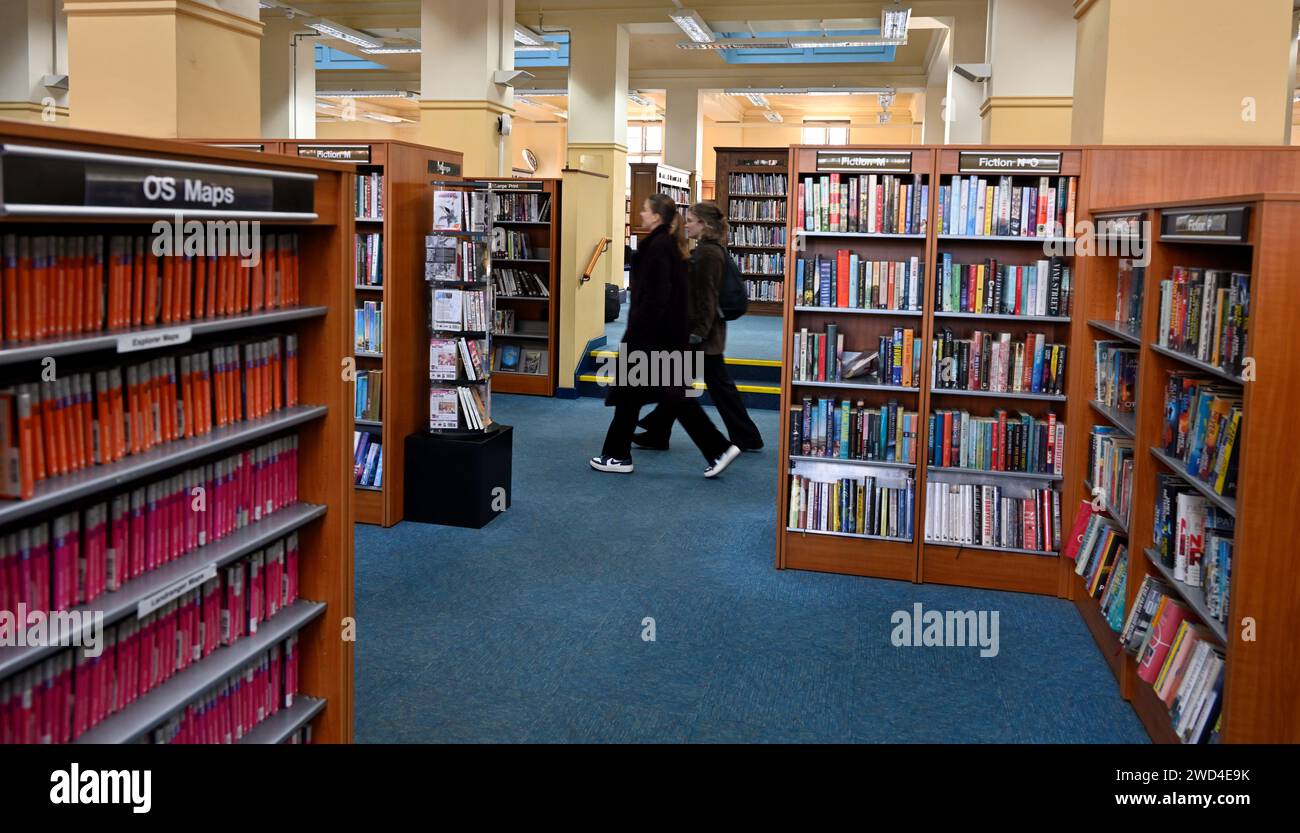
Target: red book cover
x,y
169,281
137,283
26,291
843,277
151,288
9,278
802,221
43,287
1156,647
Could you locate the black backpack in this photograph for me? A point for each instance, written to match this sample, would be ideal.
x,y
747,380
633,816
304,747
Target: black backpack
x,y
733,300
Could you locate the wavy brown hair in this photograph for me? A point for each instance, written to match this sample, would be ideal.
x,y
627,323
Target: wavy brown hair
x,y
711,217
665,208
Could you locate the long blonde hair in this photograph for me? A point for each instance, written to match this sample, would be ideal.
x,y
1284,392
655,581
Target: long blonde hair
x,y
665,208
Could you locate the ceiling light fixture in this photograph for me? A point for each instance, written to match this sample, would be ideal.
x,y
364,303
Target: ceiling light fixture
x,y
690,22
883,117
893,23
392,50
384,117
343,33
407,94
844,43
756,99
636,97
738,43
538,91
528,37
773,116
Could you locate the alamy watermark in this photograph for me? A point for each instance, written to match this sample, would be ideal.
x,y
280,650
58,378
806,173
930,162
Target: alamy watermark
x,y
208,238
1118,237
26,628
654,369
920,628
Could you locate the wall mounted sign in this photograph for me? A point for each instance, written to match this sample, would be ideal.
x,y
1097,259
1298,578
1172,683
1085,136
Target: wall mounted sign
x,y
1009,163
359,154
865,161
440,168
509,185
74,183
760,163
1218,224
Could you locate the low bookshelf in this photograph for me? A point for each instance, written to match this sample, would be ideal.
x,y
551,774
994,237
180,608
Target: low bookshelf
x,y
752,189
525,270
647,178
282,321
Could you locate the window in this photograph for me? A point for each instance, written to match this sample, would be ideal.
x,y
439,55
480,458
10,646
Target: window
x,y
826,133
645,142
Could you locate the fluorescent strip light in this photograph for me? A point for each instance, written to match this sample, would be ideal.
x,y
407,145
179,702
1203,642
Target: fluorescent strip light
x,y
392,50
558,91
690,22
527,36
366,94
384,117
549,46
640,99
748,91
773,116
343,33
849,90
847,43
734,44
756,99
883,117
893,23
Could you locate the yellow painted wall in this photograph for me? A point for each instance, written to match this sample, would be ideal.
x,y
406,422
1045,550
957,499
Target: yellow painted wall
x,y
1027,121
367,129
545,140
219,80
1091,52
582,305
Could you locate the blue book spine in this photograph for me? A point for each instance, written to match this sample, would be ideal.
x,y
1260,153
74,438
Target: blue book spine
x,y
925,205
826,299
798,281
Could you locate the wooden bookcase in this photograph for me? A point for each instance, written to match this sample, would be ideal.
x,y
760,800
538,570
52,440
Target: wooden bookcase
x,y
648,178
543,314
323,423
737,203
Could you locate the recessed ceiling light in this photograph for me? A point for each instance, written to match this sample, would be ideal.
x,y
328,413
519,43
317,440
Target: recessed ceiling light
x,y
343,33
690,22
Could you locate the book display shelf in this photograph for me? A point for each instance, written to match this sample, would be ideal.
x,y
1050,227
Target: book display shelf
x,y
234,498
525,268
648,178
1213,503
752,189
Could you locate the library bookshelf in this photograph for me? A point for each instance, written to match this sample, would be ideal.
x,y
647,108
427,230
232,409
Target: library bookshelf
x,y
752,189
537,319
302,197
648,178
405,171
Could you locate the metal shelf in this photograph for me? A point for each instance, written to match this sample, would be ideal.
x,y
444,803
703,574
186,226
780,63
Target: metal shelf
x,y
1017,550
123,602
1124,422
35,351
1194,596
56,491
1227,504
366,354
369,423
803,383
135,721
1014,475
877,234
849,535
997,316
1046,397
1120,330
369,287
1006,238
1204,367
882,464
854,311
279,726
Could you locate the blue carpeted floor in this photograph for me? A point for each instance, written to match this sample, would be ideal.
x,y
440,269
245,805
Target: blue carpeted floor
x,y
530,629
748,337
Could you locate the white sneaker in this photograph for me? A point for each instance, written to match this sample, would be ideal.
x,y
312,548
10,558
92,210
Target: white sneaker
x,y
722,462
614,464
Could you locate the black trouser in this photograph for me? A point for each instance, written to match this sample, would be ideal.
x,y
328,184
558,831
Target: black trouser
x,y
707,438
722,390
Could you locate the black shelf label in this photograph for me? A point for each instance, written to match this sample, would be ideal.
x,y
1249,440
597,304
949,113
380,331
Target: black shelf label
x,y
510,185
441,168
760,163
240,146
53,181
1217,223
359,154
995,162
866,161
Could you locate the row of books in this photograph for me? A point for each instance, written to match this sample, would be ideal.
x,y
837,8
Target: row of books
x,y
370,196
1202,427
54,428
1181,660
460,407
681,196
848,281
1115,374
461,211
453,258
997,443
456,358
369,395
992,288
871,203
989,361
521,207
756,236
858,506
760,264
512,358
61,286
1100,556
987,516
512,245
460,310
764,290
368,259
76,557
820,357
369,326
1110,469
251,695
1130,280
973,206
63,697
768,211
839,429
503,321
367,459
518,283
774,185
1205,313
1194,539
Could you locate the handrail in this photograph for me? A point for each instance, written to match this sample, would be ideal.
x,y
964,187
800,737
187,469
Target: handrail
x,y
601,247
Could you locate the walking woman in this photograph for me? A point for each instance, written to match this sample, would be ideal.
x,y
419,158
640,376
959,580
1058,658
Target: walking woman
x,y
658,321
706,224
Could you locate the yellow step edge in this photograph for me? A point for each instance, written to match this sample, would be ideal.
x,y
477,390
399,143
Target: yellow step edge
x,y
613,354
769,389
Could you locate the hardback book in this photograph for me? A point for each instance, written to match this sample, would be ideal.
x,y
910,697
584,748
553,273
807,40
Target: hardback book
x,y
509,358
533,361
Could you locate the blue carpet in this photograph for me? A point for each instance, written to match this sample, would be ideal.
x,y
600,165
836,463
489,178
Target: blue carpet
x,y
530,629
748,337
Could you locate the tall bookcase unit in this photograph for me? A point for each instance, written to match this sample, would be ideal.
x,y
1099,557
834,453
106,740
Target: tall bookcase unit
x,y
527,210
1253,235
53,182
405,170
753,189
656,178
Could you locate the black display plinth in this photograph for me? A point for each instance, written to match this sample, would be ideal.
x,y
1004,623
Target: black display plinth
x,y
452,478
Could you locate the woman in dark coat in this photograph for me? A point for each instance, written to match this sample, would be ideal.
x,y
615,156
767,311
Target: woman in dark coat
x,y
658,323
